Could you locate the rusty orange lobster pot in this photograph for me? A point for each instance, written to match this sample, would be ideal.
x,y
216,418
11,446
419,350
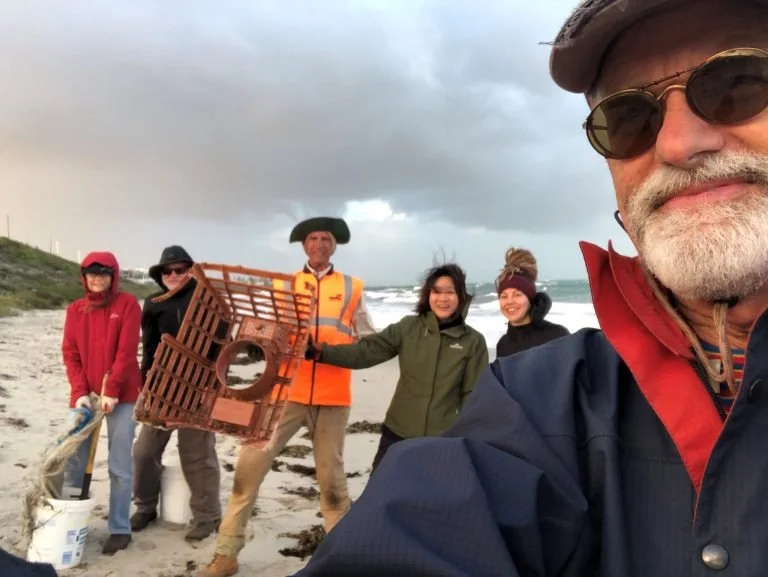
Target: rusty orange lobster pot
x,y
232,309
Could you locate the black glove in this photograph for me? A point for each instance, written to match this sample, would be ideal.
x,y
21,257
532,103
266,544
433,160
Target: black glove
x,y
312,353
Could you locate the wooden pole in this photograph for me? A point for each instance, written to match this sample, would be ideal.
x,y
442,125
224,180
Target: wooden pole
x,y
92,452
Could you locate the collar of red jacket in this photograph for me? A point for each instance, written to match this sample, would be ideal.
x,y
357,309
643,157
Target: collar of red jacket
x,y
620,292
657,354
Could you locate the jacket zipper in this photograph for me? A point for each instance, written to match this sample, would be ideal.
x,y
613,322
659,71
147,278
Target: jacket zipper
x,y
702,374
317,342
434,373
723,415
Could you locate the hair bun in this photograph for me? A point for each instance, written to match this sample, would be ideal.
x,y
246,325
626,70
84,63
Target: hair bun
x,y
519,261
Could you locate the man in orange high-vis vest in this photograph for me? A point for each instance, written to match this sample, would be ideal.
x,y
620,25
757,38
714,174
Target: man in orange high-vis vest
x,y
319,397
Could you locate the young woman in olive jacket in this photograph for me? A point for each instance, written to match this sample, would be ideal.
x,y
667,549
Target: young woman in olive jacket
x,y
441,357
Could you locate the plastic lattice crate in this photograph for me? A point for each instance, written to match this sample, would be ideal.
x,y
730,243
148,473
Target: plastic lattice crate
x,y
232,309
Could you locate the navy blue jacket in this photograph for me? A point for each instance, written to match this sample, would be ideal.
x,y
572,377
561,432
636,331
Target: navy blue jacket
x,y
598,454
13,566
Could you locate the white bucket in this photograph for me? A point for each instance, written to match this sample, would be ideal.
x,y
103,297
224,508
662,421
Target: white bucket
x,y
62,528
174,496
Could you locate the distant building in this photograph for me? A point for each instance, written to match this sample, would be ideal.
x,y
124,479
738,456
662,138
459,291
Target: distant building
x,y
137,275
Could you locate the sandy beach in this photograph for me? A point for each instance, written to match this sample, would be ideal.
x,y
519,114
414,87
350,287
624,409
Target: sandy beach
x,y
33,408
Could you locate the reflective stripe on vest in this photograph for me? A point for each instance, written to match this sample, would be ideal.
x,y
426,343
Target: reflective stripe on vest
x,y
338,323
318,383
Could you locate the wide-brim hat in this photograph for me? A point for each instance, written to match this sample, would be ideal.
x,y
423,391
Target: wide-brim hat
x,y
170,255
589,32
336,226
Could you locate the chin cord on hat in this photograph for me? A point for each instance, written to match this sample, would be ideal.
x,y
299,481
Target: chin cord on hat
x,y
719,316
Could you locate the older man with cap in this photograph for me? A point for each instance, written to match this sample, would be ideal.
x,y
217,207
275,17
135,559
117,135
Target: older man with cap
x,y
319,397
639,449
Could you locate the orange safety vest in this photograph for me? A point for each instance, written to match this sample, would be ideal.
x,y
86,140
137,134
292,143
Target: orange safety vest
x,y
338,297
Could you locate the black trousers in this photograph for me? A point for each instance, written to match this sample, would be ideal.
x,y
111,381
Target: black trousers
x,y
388,438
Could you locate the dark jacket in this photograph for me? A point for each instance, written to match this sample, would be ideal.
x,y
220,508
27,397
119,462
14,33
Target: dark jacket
x,y
160,317
438,369
12,566
100,338
537,332
599,454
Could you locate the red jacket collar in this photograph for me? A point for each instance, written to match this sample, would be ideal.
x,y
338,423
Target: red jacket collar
x,y
626,274
657,354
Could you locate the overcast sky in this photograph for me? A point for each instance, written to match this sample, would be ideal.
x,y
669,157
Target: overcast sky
x,y
126,126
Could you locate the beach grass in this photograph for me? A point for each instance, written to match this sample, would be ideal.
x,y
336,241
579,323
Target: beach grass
x,y
32,279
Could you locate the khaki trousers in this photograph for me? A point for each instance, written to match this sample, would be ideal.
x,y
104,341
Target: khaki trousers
x,y
330,427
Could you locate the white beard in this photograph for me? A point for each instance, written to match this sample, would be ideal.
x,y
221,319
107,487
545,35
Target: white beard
x,y
716,251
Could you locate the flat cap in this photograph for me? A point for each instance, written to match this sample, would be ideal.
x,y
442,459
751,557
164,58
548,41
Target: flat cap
x,y
589,32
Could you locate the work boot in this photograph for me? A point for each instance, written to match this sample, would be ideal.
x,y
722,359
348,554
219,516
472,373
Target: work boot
x,y
116,543
140,520
221,566
201,531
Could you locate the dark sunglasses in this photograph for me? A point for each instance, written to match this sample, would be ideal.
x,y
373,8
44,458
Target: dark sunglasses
x,y
98,270
728,88
179,270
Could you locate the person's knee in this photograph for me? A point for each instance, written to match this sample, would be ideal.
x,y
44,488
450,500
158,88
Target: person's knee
x,y
120,459
144,453
197,458
119,464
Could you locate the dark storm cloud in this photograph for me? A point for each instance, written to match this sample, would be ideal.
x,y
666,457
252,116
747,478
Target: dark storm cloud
x,y
210,110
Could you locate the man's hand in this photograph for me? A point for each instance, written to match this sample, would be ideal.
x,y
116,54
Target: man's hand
x,y
108,404
83,402
312,353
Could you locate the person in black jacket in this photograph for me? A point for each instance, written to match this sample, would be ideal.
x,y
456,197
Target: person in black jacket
x,y
197,449
523,306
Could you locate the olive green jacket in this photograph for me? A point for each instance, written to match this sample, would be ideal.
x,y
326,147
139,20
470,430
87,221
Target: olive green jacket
x,y
438,369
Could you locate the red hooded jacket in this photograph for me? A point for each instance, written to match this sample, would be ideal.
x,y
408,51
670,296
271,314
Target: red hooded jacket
x,y
102,338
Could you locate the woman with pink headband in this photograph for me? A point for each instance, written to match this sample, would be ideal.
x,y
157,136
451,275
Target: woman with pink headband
x,y
523,306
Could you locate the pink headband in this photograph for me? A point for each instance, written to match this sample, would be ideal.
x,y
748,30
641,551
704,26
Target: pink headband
x,y
520,283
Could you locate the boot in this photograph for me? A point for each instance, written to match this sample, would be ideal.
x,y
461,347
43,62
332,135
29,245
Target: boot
x,y
140,520
221,566
201,531
116,543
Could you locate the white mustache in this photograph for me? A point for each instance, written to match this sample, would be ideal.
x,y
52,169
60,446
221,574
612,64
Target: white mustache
x,y
668,181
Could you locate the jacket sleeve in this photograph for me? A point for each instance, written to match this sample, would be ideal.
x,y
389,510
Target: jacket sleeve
x,y
368,351
150,338
476,364
363,323
78,381
493,497
221,334
13,566
126,351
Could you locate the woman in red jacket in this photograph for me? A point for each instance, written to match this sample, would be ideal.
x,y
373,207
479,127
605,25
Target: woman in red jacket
x,y
100,346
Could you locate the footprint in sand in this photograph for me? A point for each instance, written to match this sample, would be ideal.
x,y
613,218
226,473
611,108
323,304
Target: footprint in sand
x,y
146,546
